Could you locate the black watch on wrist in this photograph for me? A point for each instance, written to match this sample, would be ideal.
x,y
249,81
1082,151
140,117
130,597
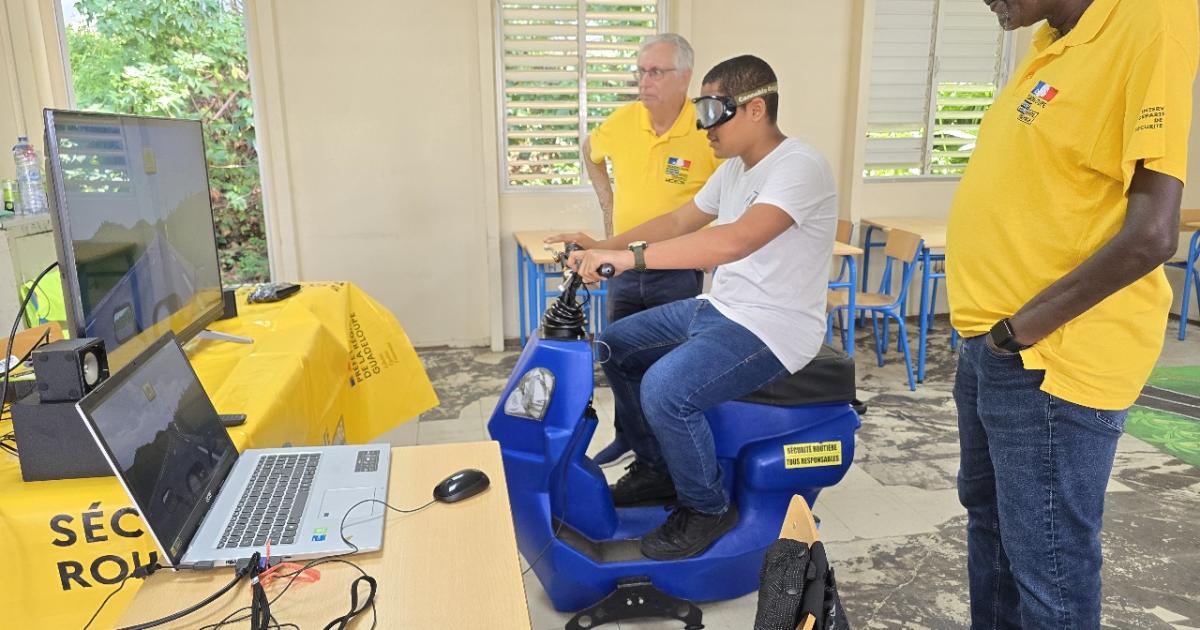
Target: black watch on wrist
x,y
1003,336
639,257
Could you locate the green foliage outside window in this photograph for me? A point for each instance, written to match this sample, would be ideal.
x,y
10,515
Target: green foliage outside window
x,y
542,126
960,108
182,59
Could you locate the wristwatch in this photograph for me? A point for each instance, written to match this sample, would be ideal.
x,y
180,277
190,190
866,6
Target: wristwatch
x,y
1003,336
639,257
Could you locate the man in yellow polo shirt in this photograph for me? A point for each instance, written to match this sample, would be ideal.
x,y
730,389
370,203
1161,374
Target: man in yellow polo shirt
x,y
1058,232
660,160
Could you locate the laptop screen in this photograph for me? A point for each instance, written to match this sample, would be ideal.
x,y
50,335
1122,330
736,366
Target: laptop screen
x,y
165,440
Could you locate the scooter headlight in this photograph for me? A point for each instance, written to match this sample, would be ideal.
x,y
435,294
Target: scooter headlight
x,y
531,397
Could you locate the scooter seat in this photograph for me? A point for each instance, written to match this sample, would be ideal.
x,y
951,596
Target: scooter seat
x,y
828,378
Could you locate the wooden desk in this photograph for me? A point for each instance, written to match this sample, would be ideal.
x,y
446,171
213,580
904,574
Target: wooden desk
x,y
534,244
931,229
533,262
842,249
1189,219
447,566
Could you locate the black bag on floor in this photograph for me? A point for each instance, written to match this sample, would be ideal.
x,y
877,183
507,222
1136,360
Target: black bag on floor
x,y
796,587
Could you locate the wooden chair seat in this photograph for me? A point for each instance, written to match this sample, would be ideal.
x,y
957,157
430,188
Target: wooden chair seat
x,y
841,297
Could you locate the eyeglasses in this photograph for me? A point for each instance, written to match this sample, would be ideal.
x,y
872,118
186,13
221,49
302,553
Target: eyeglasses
x,y
712,111
653,73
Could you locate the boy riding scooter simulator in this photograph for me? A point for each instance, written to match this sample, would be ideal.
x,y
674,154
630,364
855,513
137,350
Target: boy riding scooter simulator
x,y
729,401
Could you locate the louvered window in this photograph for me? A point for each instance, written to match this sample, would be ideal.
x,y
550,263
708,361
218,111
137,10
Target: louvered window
x,y
936,65
564,66
94,158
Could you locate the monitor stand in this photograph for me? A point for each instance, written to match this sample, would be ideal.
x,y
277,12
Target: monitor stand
x,y
213,335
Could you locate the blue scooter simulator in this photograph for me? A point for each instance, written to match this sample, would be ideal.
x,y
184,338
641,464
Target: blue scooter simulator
x,y
795,436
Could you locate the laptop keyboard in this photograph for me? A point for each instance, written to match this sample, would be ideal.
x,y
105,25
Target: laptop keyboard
x,y
273,502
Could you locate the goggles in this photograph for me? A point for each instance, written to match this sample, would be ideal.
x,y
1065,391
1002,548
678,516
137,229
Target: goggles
x,y
717,110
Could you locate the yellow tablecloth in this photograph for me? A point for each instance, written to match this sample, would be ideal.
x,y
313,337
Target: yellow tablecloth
x,y
328,365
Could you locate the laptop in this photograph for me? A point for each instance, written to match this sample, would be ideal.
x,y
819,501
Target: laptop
x,y
204,504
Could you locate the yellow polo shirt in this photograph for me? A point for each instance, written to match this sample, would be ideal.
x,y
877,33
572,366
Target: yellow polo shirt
x,y
653,174
1047,182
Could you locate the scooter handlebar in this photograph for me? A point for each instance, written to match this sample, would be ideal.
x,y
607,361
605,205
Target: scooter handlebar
x,y
565,318
606,270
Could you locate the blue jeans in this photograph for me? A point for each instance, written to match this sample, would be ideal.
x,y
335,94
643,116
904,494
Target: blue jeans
x,y
635,291
1032,476
667,366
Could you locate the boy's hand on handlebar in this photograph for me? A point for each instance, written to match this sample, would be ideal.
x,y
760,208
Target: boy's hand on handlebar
x,y
587,263
580,238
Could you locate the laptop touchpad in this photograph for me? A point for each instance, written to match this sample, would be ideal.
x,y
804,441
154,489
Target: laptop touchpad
x,y
337,502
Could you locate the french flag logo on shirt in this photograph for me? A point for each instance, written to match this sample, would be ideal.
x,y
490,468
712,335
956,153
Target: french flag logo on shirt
x,y
677,170
1045,91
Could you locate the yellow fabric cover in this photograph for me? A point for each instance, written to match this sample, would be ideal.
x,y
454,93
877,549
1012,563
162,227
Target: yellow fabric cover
x,y
328,365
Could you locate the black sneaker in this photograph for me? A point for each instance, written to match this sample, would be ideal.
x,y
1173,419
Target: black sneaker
x,y
687,533
642,484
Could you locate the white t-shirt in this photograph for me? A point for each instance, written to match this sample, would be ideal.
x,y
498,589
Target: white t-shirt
x,y
778,292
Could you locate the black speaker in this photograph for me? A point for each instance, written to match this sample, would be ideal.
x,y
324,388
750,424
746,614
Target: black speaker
x,y
54,443
67,369
18,389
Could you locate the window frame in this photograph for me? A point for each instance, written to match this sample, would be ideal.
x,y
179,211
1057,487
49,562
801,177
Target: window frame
x,y
585,183
1007,64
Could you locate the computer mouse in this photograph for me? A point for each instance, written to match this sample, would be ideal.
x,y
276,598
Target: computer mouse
x,y
463,484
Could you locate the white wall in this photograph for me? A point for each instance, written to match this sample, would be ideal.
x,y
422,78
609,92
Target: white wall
x,y
372,127
809,43
31,77
31,74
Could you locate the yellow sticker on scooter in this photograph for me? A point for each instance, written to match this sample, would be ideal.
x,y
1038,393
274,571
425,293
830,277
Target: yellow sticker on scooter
x,y
812,454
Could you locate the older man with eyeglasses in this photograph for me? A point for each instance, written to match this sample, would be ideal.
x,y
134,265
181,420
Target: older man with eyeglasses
x,y
660,160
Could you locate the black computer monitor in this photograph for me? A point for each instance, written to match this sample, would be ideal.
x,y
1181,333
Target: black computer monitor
x,y
134,228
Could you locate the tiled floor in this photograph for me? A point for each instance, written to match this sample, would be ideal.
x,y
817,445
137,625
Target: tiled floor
x,y
893,526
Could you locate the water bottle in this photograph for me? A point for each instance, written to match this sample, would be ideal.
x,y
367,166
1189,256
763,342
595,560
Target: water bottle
x,y
29,178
